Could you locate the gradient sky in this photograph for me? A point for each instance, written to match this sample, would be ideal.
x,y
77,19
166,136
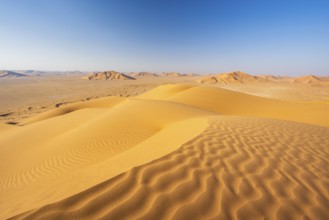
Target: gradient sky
x,y
283,37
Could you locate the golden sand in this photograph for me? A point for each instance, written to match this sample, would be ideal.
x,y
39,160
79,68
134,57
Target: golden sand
x,y
176,152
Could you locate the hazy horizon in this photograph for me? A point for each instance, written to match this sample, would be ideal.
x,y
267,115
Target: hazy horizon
x,y
159,72
276,37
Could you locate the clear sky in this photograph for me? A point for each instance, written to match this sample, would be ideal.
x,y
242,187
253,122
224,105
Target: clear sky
x,y
284,37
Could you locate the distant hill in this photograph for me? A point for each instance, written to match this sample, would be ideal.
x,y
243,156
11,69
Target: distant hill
x,y
108,75
6,73
191,74
273,78
142,74
31,72
324,78
71,72
310,79
45,73
241,77
232,78
171,74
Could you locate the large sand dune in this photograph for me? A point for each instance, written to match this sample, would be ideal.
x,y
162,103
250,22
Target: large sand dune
x,y
176,152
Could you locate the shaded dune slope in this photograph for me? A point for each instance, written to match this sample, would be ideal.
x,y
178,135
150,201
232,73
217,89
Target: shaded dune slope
x,y
93,159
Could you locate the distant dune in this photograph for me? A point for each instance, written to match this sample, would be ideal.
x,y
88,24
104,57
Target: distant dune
x,y
325,78
108,75
5,73
171,74
175,74
32,72
272,78
244,78
310,79
191,74
231,78
175,152
142,74
43,73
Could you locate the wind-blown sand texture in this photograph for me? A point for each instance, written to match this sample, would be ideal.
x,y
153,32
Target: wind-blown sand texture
x,y
176,152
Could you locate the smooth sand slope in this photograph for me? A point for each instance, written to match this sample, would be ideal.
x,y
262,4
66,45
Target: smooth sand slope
x,y
176,152
226,102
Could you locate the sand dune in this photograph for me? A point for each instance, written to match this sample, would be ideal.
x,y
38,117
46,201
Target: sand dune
x,y
7,127
307,79
142,74
272,78
239,168
311,80
227,102
192,74
232,77
108,75
5,73
65,146
18,95
176,152
48,73
239,77
171,74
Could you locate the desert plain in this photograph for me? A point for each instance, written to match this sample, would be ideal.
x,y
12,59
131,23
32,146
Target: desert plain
x,y
113,145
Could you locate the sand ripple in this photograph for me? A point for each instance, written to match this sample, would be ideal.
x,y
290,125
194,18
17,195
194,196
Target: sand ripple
x,y
238,168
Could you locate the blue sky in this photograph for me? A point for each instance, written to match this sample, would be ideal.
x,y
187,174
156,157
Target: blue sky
x,y
283,37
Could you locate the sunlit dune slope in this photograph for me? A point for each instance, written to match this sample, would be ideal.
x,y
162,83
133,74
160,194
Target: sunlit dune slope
x,y
7,127
61,164
96,103
228,102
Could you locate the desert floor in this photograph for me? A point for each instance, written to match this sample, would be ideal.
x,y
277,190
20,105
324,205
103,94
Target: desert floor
x,y
27,96
162,148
